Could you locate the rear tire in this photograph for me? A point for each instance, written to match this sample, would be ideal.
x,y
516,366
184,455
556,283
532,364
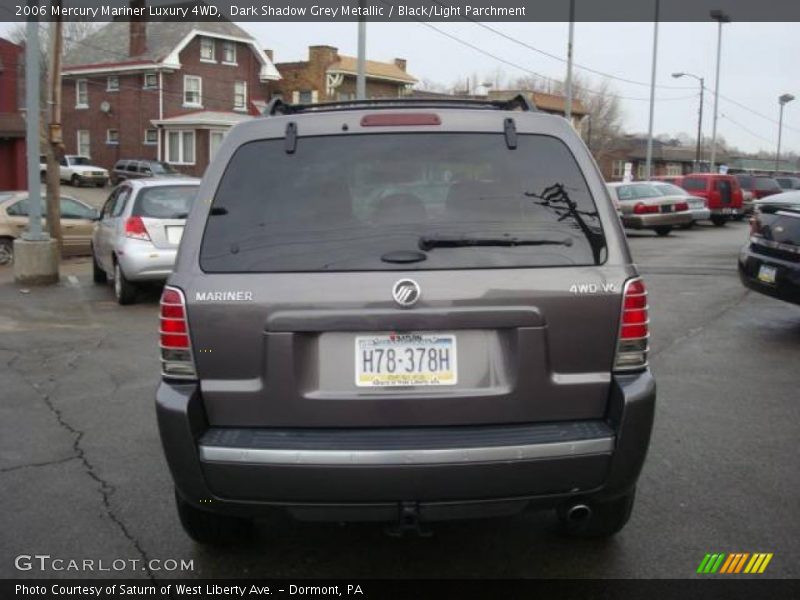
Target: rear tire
x,y
718,220
75,181
210,528
607,518
738,217
6,251
663,230
124,290
98,274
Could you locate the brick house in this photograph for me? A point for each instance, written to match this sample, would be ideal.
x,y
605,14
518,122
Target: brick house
x,y
161,90
553,104
13,172
328,75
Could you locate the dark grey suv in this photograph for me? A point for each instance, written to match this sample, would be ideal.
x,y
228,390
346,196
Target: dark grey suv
x,y
404,311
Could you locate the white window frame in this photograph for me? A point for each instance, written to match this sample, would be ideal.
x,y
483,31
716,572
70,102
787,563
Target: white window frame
x,y
144,81
155,141
641,170
674,169
181,134
242,106
199,103
228,45
109,87
210,133
78,84
204,39
78,147
618,168
108,137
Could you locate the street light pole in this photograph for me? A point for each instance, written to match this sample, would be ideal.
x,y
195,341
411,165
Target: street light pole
x,y
699,151
568,108
649,161
720,17
361,68
783,101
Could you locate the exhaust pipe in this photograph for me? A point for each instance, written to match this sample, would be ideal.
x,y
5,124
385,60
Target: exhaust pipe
x,y
579,513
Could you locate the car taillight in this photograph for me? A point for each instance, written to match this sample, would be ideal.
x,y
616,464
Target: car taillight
x,y
634,331
134,228
642,209
176,346
681,206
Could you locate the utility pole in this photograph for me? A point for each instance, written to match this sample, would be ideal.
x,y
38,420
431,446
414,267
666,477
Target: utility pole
x,y
35,254
783,101
649,163
568,108
720,17
699,151
361,76
54,137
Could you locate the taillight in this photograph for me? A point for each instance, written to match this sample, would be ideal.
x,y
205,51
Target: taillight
x,y
634,331
134,228
176,346
681,206
642,209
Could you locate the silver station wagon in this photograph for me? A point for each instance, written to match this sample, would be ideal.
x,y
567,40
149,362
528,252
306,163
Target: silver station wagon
x,y
404,311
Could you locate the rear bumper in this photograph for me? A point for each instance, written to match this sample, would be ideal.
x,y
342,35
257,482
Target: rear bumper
x,y
656,220
700,214
787,275
368,474
142,261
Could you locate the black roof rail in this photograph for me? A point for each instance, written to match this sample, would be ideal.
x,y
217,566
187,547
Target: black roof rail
x,y
519,102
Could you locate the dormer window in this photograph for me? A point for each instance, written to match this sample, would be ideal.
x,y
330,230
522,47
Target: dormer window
x,y
207,49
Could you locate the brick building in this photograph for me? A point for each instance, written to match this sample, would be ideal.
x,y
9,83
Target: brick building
x,y
328,75
161,90
553,104
13,174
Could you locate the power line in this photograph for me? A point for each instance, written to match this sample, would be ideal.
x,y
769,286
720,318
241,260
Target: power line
x,y
743,128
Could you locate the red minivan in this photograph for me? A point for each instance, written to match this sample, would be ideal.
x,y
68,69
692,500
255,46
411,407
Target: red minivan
x,y
722,194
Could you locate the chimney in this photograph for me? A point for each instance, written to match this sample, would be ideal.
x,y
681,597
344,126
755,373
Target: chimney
x,y
137,44
401,63
269,52
323,55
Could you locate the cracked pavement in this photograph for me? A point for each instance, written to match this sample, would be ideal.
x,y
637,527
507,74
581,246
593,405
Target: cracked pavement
x,y
82,475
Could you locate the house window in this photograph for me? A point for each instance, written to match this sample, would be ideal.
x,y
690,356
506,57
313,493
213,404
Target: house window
x,y
112,83
112,136
192,90
305,97
214,140
618,169
641,171
150,81
240,95
206,49
229,53
180,147
81,93
150,136
84,148
674,169
345,96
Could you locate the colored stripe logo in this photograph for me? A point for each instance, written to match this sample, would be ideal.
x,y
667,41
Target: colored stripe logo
x,y
734,563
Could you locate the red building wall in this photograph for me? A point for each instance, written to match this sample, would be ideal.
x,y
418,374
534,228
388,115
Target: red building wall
x,y
12,143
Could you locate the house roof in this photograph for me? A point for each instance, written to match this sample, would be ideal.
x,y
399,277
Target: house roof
x,y
374,69
107,48
204,118
543,101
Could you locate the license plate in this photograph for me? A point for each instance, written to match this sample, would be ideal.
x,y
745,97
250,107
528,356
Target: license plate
x,y
666,208
766,273
727,211
174,234
405,359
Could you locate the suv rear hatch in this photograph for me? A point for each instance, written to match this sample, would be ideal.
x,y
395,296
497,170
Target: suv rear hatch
x,y
308,255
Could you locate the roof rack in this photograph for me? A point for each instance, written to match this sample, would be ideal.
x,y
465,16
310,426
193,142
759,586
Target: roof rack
x,y
518,102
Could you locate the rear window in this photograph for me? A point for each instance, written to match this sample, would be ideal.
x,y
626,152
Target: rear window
x,y
637,191
165,202
766,184
745,182
356,202
694,184
667,189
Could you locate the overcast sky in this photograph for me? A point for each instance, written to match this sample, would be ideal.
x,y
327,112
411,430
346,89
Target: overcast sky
x,y
759,63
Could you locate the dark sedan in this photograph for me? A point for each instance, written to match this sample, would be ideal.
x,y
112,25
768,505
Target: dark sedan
x,y
770,262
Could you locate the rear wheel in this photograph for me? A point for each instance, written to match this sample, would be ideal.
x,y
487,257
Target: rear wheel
x,y
75,181
663,230
98,274
738,217
718,220
6,251
602,519
124,290
210,528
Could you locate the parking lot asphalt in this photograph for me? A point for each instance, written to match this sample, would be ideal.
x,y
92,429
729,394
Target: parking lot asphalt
x,y
82,474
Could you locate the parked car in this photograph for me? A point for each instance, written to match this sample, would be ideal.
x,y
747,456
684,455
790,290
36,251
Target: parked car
x,y
138,233
77,222
722,194
642,206
138,169
673,179
697,205
375,317
79,170
770,262
761,186
788,183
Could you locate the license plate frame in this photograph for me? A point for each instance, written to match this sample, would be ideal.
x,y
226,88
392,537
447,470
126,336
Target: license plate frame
x,y
173,231
767,274
401,376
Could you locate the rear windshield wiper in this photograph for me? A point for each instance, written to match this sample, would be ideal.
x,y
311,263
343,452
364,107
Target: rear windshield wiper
x,y
428,242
